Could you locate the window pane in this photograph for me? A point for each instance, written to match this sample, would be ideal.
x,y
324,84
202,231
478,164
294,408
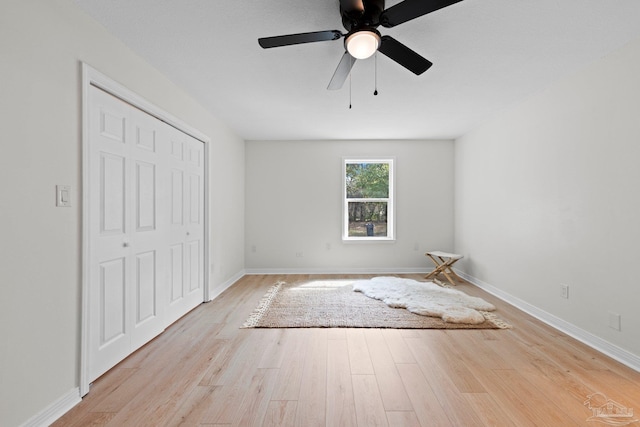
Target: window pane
x,y
367,219
367,180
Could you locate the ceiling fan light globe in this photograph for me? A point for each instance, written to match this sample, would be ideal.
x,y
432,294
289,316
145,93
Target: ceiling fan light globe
x,y
362,44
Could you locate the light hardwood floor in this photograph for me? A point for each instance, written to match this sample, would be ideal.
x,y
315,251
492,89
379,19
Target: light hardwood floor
x,y
204,370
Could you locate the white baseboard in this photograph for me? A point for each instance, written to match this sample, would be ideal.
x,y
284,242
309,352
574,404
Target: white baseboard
x,y
623,356
72,398
54,411
257,271
214,293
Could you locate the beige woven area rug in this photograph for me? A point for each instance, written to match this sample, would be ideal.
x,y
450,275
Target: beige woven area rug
x,y
334,304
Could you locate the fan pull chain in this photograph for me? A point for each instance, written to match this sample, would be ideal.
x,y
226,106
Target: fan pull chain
x,y
350,91
375,91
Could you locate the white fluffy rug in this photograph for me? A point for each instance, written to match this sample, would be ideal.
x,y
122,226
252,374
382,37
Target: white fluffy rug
x,y
425,298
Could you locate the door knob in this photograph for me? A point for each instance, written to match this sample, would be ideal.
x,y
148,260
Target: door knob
x,y
125,245
188,233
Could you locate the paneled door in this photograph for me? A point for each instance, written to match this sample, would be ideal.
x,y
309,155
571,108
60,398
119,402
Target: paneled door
x,y
187,224
131,230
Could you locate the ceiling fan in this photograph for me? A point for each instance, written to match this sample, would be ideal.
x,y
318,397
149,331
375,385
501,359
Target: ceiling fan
x,y
361,18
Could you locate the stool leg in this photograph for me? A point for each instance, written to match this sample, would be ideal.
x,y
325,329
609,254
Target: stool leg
x,y
449,271
449,277
437,269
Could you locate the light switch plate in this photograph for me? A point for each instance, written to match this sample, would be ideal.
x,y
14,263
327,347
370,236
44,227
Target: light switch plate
x,y
63,196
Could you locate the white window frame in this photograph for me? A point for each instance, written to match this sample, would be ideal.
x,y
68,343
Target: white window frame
x,y
391,223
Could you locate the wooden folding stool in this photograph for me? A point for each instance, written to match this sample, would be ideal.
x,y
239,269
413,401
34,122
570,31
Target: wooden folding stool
x,y
443,262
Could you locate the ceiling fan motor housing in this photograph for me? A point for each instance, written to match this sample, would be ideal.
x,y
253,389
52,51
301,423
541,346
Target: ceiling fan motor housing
x,y
361,18
357,19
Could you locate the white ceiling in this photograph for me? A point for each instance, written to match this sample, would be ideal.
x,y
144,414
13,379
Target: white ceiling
x,y
488,55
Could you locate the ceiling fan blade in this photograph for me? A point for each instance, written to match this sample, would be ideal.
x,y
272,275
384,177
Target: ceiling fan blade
x,y
341,73
403,55
291,39
352,5
411,9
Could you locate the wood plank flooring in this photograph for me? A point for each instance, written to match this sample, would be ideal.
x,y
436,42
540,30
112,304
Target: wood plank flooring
x,y
206,371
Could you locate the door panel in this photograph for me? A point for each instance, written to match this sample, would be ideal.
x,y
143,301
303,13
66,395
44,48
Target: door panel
x,y
112,194
146,287
195,227
177,148
177,272
146,196
112,124
109,338
140,267
177,199
193,261
146,138
148,234
187,229
194,199
112,301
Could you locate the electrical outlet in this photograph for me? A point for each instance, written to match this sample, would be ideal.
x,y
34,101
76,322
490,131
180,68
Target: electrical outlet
x,y
253,248
615,321
564,291
299,254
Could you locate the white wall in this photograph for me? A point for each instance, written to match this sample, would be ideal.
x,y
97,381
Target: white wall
x,y
548,193
294,204
42,43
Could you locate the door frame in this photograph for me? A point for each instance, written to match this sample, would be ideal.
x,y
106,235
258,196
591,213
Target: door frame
x,y
92,77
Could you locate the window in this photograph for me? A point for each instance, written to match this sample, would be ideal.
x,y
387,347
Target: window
x,y
367,199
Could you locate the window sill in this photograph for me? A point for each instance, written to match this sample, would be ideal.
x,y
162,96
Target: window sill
x,y
368,240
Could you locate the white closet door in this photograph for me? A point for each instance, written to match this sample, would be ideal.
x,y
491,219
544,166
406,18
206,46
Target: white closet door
x,y
110,270
186,250
149,226
131,247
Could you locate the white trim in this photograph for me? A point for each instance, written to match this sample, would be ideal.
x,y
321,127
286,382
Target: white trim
x,y
621,355
92,77
84,327
207,226
226,284
391,202
269,271
55,410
